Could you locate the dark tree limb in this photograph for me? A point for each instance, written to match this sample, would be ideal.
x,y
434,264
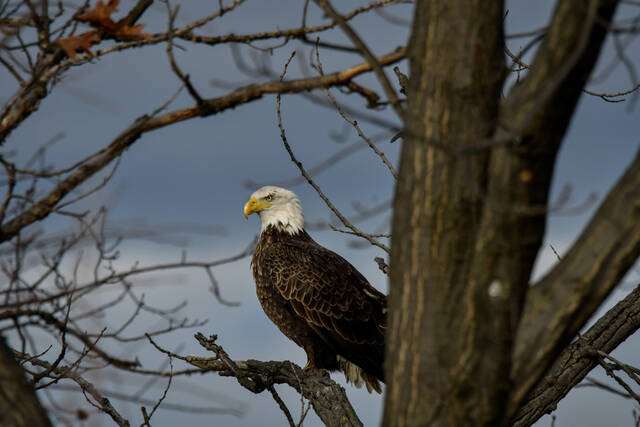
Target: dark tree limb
x,y
531,126
252,92
328,399
137,11
578,360
562,302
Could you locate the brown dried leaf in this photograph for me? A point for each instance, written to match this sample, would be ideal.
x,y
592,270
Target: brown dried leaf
x,y
127,32
100,15
81,42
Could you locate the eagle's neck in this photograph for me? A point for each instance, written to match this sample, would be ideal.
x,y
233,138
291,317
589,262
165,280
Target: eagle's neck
x,y
287,218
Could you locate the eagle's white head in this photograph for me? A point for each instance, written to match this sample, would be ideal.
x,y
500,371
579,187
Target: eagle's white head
x,y
278,207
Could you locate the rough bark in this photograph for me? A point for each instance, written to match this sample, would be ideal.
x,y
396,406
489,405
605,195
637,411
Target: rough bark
x,y
329,399
443,367
470,211
19,405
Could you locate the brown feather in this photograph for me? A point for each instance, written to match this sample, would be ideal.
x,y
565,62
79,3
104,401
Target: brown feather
x,y
322,303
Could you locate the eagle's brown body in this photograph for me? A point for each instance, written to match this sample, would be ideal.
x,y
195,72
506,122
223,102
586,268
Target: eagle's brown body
x,y
322,303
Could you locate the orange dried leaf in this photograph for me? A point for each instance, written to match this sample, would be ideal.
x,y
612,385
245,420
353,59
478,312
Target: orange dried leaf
x,y
100,15
81,42
127,32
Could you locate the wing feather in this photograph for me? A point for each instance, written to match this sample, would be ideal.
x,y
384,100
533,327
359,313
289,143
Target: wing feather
x,y
333,298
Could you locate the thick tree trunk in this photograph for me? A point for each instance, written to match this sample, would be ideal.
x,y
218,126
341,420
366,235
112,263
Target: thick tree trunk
x,y
470,210
448,363
19,405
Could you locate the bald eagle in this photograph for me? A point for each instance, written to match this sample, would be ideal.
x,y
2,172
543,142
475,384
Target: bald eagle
x,y
313,295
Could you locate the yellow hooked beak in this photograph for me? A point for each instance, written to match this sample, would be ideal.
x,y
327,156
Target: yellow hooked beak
x,y
253,206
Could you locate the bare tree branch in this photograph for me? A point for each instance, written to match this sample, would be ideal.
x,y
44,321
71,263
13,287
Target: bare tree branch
x,y
577,360
368,55
571,292
327,398
43,207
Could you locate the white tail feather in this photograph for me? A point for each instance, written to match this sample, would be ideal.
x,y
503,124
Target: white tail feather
x,y
355,375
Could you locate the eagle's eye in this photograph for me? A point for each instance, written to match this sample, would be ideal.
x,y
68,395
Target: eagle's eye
x,y
268,197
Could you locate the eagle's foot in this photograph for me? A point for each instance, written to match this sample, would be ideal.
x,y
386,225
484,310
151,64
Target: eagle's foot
x,y
311,369
310,366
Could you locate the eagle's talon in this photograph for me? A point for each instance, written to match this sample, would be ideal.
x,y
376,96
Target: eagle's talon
x,y
310,369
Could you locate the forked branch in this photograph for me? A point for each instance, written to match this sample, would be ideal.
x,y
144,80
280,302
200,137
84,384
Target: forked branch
x,y
328,398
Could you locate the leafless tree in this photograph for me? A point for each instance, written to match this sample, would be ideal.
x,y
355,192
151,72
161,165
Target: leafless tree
x,y
470,341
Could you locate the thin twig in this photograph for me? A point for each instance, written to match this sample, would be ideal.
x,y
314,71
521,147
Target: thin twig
x,y
281,404
368,55
304,173
355,123
147,417
174,65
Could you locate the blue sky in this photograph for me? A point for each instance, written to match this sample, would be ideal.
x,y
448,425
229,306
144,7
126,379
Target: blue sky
x,y
194,172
